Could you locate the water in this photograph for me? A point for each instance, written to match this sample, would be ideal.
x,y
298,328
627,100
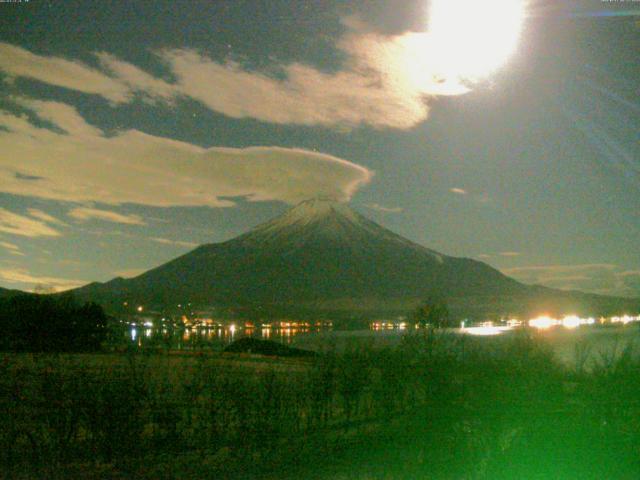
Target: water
x,y
593,344
589,343
212,338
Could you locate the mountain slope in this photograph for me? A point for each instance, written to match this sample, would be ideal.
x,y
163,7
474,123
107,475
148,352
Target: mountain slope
x,y
6,293
318,254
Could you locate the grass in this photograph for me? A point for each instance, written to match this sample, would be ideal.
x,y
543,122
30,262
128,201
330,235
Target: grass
x,y
435,406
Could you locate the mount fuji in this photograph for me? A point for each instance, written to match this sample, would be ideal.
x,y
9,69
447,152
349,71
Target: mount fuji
x,y
322,256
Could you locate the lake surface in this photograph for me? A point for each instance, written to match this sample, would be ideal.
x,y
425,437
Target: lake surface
x,y
591,343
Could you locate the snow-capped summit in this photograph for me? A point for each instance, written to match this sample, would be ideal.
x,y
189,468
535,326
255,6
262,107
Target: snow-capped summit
x,y
314,218
310,211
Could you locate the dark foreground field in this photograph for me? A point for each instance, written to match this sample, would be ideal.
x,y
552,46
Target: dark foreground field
x,y
434,406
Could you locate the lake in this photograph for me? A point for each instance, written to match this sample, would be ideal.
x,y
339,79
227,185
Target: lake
x,y
588,343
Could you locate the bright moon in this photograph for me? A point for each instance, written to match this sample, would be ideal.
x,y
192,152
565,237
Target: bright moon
x,y
472,38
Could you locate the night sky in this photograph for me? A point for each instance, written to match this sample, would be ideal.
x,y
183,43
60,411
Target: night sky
x,y
130,132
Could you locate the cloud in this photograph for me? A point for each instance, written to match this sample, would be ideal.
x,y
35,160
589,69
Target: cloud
x,y
630,274
386,17
137,79
381,208
12,248
61,72
24,280
130,272
9,246
21,176
134,167
458,191
486,256
62,116
631,280
179,243
83,214
536,269
305,96
386,81
45,217
602,278
24,226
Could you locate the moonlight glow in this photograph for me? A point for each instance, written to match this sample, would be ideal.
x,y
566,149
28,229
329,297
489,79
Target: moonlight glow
x,y
473,38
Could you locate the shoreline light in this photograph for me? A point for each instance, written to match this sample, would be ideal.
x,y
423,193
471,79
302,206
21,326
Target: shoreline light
x,y
543,323
571,321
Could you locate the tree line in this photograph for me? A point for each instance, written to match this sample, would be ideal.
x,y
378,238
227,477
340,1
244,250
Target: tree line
x,y
46,323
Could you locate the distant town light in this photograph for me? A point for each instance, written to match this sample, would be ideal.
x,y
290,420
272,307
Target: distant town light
x,y
624,319
542,322
571,321
140,308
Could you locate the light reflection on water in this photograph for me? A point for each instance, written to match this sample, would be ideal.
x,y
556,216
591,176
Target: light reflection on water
x,y
563,333
216,337
486,330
